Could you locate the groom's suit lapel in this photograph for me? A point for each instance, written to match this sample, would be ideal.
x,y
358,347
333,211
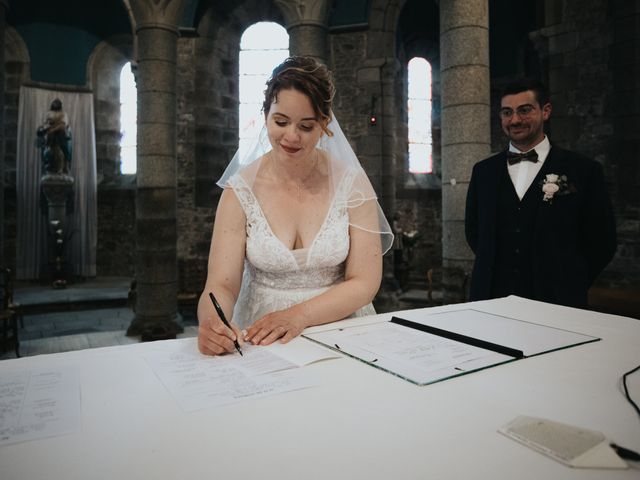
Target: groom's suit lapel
x,y
496,175
555,164
552,164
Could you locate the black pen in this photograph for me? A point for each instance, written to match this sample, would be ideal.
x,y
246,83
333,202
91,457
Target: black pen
x,y
216,305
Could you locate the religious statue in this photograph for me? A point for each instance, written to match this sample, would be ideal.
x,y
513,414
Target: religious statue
x,y
57,185
54,140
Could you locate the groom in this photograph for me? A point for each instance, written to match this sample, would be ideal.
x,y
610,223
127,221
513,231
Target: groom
x,y
538,217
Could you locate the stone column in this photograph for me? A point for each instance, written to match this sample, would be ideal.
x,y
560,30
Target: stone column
x,y
307,26
389,111
4,6
466,135
156,233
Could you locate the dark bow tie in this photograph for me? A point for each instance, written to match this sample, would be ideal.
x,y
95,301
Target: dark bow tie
x,y
513,157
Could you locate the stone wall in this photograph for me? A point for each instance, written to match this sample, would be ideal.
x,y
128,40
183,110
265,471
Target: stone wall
x,y
116,193
419,196
115,254
194,213
207,92
420,211
587,51
16,73
624,140
590,54
357,82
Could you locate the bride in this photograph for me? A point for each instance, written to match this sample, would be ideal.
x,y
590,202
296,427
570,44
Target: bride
x,y
299,235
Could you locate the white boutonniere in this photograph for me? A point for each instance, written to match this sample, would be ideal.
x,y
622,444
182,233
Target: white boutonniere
x,y
553,184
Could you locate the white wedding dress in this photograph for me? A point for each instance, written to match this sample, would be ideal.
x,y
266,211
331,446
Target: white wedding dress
x,y
275,277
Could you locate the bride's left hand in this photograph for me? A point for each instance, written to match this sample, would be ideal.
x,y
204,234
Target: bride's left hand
x,y
283,325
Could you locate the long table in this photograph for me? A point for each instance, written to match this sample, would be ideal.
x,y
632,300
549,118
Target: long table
x,y
357,423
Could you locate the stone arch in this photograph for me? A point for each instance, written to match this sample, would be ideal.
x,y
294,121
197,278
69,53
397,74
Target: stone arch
x,y
15,48
103,74
369,81
207,126
384,15
116,193
419,197
418,36
217,68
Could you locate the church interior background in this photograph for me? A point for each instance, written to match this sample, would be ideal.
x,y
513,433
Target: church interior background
x,y
154,225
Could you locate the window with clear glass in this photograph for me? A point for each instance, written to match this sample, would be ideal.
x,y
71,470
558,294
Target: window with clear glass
x,y
128,120
263,46
419,113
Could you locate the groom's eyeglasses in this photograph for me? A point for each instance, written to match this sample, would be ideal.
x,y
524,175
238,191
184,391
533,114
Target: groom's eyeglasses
x,y
522,111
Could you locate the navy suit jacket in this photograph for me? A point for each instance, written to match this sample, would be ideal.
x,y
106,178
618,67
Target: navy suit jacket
x,y
574,236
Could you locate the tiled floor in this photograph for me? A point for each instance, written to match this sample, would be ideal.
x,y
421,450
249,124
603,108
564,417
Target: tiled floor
x,y
64,320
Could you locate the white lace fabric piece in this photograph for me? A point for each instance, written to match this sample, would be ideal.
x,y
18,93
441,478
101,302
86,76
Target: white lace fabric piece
x,y
275,277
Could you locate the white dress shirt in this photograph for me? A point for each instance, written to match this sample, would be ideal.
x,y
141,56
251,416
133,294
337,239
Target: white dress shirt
x,y
523,173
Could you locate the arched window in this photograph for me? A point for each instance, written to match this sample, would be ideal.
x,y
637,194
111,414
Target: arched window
x,y
263,46
419,113
128,120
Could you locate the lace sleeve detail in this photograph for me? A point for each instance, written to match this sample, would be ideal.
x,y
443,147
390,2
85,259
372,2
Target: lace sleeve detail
x,y
243,193
264,250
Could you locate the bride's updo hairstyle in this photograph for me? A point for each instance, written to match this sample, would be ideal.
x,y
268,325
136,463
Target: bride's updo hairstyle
x,y
307,76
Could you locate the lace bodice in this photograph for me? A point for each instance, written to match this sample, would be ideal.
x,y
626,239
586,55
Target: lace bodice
x,y
276,277
267,254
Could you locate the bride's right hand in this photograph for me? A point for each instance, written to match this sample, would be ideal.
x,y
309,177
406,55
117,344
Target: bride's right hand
x,y
215,338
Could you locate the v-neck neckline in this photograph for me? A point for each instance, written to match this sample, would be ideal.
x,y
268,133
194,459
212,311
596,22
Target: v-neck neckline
x,y
291,252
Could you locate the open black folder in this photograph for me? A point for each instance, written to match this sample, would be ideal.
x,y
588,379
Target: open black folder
x,y
425,349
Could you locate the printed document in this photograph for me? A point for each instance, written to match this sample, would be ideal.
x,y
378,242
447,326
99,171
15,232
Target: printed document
x,y
414,355
197,381
425,348
38,403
